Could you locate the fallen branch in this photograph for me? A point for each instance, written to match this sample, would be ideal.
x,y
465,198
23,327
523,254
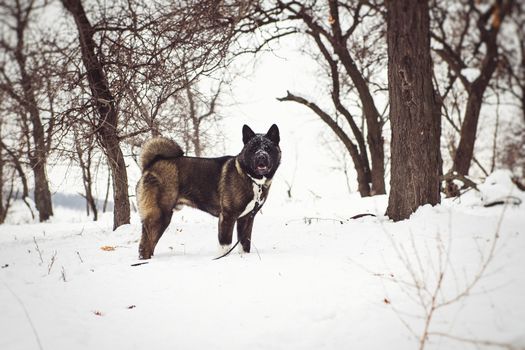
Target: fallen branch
x,y
451,189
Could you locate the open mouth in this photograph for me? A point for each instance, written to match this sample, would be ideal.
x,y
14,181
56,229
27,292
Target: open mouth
x,y
262,169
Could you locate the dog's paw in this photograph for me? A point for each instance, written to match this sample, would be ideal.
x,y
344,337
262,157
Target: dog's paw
x,y
223,248
144,254
242,250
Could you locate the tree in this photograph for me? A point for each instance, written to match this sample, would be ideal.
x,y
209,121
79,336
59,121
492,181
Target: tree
x,y
336,29
414,110
199,111
463,47
136,57
514,57
14,159
105,105
84,149
20,80
5,178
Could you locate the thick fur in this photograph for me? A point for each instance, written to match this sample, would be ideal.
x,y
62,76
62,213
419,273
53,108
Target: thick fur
x,y
221,186
158,148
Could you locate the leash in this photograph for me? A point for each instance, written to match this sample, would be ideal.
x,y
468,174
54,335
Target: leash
x,y
361,215
252,215
258,204
228,252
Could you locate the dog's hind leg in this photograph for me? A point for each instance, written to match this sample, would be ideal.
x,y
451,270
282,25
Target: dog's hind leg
x,y
244,232
153,226
156,215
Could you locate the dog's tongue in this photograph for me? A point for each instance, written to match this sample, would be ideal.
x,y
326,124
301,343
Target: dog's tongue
x,y
261,169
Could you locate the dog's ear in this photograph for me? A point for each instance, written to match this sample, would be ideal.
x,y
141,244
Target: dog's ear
x,y
273,134
247,134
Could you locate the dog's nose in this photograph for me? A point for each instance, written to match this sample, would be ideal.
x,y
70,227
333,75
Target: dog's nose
x,y
261,157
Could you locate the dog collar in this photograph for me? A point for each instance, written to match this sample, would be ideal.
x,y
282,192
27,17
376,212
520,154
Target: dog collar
x,y
260,182
266,182
258,198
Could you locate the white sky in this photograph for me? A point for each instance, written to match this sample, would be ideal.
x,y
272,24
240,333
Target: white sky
x,y
255,104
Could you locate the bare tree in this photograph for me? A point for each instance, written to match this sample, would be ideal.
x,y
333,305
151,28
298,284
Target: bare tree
x,y
468,39
104,103
335,28
19,80
6,195
14,159
198,114
414,110
515,57
85,149
136,57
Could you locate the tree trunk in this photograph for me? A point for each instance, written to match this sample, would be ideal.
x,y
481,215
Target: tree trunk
x,y
5,203
196,138
105,104
42,193
414,110
18,167
38,160
121,208
476,89
37,157
465,150
374,136
3,210
361,170
87,180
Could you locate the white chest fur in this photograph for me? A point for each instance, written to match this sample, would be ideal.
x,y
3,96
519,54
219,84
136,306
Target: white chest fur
x,y
257,185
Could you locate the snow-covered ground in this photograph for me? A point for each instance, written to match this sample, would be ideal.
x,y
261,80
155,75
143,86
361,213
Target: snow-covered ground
x,y
314,280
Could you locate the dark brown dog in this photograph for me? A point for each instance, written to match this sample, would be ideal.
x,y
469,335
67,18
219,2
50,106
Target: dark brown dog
x,y
231,188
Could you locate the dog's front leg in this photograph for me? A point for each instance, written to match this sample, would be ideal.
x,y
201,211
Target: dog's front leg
x,y
244,232
226,223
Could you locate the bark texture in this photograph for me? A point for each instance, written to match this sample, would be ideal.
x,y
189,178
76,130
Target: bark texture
x,y
414,111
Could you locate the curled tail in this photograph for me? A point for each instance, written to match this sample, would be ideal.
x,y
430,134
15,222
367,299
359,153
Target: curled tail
x,y
158,148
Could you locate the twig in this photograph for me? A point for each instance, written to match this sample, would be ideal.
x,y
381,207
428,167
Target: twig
x,y
466,291
451,189
431,301
63,274
78,254
50,266
308,220
38,250
428,319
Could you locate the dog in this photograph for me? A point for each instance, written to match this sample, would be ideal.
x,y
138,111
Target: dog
x,y
232,188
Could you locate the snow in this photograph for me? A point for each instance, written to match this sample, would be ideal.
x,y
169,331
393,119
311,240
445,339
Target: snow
x,y
314,279
470,74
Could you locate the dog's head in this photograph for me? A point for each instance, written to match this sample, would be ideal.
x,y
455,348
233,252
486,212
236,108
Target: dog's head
x,y
261,154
